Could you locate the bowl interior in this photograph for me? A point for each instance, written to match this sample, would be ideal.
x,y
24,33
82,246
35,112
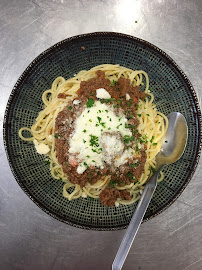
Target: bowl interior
x,y
173,93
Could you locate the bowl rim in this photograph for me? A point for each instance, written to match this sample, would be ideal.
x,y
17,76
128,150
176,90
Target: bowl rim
x,y
11,100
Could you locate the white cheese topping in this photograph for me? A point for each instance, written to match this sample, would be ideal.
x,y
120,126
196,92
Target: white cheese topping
x,y
117,204
76,102
102,93
84,195
41,148
127,96
97,137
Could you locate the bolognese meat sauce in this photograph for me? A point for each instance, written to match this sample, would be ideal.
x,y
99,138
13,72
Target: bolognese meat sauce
x,y
97,135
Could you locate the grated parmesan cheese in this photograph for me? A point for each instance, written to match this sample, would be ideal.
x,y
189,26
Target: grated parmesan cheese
x,y
41,148
76,102
127,96
117,204
102,93
97,137
84,195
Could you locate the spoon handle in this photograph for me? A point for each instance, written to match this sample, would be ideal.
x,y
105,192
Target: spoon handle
x,y
135,222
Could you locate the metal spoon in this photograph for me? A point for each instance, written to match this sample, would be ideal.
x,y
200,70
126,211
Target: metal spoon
x,y
172,149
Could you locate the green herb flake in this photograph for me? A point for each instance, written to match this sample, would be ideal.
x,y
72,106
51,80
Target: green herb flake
x,y
56,136
151,141
84,141
84,131
166,141
90,103
135,165
112,183
47,162
90,120
139,114
55,173
129,174
85,163
154,144
92,94
66,164
152,169
114,82
91,199
70,107
99,119
148,114
128,138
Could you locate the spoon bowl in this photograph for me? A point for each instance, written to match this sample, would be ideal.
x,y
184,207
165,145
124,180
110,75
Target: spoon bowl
x,y
172,149
174,141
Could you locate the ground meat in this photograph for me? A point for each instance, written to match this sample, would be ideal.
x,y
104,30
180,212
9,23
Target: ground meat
x,y
65,124
62,95
109,195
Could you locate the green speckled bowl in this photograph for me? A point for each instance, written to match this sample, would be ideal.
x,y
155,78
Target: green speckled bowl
x,y
173,92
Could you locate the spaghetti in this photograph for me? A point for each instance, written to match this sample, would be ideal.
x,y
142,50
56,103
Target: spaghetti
x,y
152,127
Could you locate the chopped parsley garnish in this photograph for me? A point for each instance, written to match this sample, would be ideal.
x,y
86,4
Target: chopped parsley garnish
x,y
84,141
92,94
129,174
114,82
135,165
109,128
70,107
90,120
94,141
66,164
152,169
55,173
128,138
151,141
56,136
166,141
88,156
84,131
108,100
112,183
90,103
93,160
85,163
47,162
99,119
139,114
148,114
106,111
119,126
154,144
91,198
60,179
143,139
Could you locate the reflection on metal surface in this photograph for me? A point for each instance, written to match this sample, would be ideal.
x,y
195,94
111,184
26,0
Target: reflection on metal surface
x,y
128,12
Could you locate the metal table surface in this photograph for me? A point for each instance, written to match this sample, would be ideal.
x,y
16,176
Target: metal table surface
x,y
29,238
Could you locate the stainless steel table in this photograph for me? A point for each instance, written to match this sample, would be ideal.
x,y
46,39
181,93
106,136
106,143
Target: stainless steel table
x,y
29,238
